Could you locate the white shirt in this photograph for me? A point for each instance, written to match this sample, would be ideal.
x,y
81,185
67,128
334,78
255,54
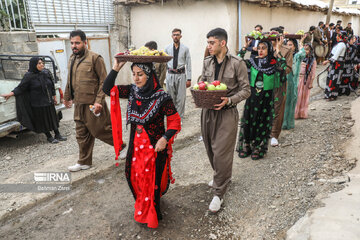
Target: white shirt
x,y
338,51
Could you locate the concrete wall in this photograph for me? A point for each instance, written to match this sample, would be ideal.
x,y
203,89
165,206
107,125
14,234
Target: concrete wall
x,y
194,18
18,43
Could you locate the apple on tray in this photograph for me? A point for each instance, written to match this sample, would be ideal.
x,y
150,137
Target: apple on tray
x,y
211,87
216,83
202,86
196,87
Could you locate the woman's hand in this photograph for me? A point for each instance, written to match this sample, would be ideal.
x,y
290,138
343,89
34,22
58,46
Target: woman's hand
x,y
325,62
160,145
118,65
8,95
247,43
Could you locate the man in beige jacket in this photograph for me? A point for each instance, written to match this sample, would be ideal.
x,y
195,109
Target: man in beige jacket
x,y
219,125
86,75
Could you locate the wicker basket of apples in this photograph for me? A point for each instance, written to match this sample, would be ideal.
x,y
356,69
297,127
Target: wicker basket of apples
x,y
206,95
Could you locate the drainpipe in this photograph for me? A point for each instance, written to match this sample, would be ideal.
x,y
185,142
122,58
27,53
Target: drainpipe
x,y
239,43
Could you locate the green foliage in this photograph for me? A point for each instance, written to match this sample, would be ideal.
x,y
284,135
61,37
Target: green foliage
x,y
12,7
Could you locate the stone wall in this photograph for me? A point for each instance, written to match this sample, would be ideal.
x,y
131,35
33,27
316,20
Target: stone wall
x,y
18,43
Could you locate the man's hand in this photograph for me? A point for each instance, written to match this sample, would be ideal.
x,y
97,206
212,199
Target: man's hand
x,y
310,86
98,108
188,83
55,101
254,49
222,104
160,145
68,104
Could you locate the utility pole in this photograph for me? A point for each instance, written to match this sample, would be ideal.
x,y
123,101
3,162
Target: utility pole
x,y
331,4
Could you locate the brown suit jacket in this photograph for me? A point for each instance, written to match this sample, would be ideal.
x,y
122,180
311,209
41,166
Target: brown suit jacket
x,y
88,75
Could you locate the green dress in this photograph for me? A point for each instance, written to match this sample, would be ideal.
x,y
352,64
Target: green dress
x,y
292,85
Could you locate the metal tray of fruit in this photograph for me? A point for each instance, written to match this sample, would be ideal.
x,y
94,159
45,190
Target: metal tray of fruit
x,y
142,59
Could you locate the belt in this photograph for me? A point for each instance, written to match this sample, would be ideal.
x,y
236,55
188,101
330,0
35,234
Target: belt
x,y
176,71
228,106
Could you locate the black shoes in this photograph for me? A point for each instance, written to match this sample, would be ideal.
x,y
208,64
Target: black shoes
x,y
60,138
52,140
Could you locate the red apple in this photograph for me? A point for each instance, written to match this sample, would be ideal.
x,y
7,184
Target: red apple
x,y
202,86
215,83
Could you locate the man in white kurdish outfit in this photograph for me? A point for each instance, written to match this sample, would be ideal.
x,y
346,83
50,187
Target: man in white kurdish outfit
x,y
178,76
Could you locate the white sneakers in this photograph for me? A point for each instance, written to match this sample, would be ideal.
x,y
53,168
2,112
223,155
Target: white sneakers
x,y
274,142
215,204
211,183
123,153
77,167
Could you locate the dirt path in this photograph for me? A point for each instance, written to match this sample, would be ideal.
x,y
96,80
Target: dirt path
x,y
265,198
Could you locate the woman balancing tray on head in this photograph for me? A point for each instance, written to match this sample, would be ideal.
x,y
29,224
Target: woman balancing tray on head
x,y
271,38
122,57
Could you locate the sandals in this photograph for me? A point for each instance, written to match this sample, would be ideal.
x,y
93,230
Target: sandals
x,y
257,154
245,152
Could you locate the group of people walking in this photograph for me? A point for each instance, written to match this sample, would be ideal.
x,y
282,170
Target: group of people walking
x,y
275,82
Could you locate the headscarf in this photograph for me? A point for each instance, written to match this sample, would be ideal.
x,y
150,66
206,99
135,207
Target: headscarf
x,y
309,60
266,64
33,64
295,42
343,36
146,101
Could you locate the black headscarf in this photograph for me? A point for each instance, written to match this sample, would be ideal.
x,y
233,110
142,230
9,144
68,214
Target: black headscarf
x,y
145,102
33,64
266,64
309,60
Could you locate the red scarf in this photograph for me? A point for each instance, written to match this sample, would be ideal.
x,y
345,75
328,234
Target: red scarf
x,y
116,121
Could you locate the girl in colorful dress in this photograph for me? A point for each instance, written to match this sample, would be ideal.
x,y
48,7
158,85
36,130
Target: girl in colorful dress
x,y
292,83
306,78
256,122
147,170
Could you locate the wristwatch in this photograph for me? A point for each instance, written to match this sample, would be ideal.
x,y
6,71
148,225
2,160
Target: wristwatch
x,y
229,102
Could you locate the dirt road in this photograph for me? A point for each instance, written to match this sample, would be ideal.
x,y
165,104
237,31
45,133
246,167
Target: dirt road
x,y
265,198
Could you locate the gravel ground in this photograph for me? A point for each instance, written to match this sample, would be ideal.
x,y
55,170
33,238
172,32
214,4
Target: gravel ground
x,y
264,200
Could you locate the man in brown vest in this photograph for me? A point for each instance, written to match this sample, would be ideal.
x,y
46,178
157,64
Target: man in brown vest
x,y
86,75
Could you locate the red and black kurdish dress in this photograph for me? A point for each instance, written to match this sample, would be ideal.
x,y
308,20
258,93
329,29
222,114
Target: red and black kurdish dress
x,y
148,172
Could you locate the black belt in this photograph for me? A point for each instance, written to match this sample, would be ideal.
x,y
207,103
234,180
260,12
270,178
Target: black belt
x,y
176,71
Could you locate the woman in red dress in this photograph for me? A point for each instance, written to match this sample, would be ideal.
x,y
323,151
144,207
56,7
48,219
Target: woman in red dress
x,y
148,170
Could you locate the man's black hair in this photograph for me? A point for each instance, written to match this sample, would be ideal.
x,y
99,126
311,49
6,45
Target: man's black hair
x,y
279,30
259,26
331,24
350,23
312,28
339,21
218,33
321,23
281,27
152,45
79,33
